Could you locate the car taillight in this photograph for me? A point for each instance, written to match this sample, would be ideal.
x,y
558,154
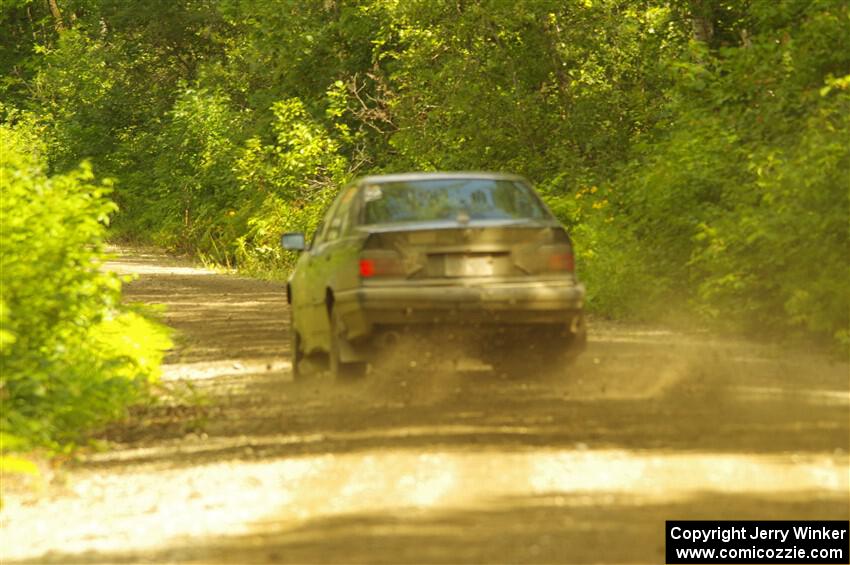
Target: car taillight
x,y
562,261
380,267
367,267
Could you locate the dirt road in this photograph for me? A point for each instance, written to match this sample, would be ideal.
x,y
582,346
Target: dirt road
x,y
425,465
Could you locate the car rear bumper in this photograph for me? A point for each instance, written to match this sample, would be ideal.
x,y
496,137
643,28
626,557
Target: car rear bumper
x,y
527,302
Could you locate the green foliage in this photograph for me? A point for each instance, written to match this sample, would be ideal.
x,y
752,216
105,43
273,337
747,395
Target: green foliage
x,y
740,204
290,181
697,150
71,358
228,199
780,256
541,88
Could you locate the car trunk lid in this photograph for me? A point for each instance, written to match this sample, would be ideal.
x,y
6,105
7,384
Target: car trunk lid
x,y
473,250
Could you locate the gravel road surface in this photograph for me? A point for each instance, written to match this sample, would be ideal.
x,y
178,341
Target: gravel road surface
x,y
445,463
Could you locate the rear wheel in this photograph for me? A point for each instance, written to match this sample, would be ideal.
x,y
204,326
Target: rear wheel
x,y
577,344
340,370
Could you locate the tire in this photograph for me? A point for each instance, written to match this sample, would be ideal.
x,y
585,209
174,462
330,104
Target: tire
x,y
296,355
577,345
340,371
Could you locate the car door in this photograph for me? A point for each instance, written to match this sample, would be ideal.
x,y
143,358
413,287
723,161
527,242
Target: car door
x,y
319,271
300,287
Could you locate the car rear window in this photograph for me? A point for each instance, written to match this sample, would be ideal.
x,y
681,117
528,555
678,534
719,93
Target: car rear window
x,y
449,199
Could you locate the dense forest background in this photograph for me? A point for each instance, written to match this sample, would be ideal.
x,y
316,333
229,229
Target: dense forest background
x,y
698,150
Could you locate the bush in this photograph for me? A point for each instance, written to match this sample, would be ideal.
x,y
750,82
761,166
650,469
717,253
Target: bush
x,y
71,357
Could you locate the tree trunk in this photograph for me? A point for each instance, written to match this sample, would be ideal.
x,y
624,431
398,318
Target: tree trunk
x,y
57,15
702,20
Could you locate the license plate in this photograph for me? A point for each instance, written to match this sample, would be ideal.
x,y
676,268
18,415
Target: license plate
x,y
468,265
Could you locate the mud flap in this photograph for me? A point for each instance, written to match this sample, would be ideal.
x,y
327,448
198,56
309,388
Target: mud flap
x,y
348,352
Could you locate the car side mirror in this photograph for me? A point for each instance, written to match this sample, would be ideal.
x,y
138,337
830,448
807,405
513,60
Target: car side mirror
x,y
293,241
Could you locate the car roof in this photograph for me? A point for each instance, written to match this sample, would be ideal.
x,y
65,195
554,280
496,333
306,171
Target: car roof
x,y
409,177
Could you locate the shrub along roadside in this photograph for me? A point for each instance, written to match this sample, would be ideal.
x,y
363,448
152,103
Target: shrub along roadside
x,y
72,358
